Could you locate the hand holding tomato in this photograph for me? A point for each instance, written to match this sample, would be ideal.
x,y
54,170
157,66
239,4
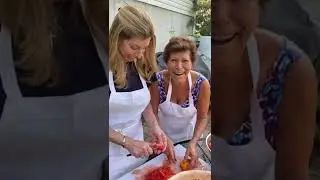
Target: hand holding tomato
x,y
157,147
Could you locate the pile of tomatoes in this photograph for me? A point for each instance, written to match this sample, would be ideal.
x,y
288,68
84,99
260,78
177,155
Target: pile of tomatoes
x,y
161,173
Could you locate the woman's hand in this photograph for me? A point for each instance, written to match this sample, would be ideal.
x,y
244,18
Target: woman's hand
x,y
138,148
191,153
170,151
159,135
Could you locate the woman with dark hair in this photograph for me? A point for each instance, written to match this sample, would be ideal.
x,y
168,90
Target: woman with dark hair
x,y
264,98
181,97
53,90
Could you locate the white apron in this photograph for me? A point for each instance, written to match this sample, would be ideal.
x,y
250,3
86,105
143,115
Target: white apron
x,y
178,122
61,137
125,112
254,161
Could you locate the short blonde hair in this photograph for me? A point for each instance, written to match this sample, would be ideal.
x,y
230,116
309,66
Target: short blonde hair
x,y
129,23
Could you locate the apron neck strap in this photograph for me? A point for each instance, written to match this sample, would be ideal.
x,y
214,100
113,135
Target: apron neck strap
x,y
190,89
169,90
7,67
255,112
254,60
144,83
111,82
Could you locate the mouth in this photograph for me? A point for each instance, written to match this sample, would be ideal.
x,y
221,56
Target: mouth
x,y
223,39
178,74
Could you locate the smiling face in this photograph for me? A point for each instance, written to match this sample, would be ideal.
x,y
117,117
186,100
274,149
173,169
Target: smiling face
x,y
179,54
233,22
134,48
179,64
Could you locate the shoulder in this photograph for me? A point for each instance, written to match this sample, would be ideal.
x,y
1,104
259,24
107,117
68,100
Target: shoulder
x,y
290,67
302,74
278,55
271,45
162,76
200,81
197,77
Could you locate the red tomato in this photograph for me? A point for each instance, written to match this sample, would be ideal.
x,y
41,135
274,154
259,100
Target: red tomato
x,y
157,146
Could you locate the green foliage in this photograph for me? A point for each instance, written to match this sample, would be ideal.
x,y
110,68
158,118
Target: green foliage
x,y
202,21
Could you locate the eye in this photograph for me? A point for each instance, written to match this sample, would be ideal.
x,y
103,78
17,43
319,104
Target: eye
x,y
134,47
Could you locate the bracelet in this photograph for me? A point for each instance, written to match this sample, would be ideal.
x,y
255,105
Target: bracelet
x,y
123,140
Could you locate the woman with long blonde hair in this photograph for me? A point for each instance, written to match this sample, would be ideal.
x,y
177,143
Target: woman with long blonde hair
x,y
52,91
131,65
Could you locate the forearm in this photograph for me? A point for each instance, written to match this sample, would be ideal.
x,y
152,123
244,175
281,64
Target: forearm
x,y
288,168
284,174
200,127
115,137
149,116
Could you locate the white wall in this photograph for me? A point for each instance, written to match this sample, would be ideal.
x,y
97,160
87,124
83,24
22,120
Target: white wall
x,y
170,18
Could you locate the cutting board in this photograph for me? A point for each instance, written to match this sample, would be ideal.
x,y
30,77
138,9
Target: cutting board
x,y
157,161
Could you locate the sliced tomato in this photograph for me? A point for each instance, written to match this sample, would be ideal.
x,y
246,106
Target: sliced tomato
x,y
162,173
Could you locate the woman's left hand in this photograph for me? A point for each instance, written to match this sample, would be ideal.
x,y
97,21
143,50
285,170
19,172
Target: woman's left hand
x,y
191,153
160,136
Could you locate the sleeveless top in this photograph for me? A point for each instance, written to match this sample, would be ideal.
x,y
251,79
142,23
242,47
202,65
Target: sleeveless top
x,y
195,90
271,95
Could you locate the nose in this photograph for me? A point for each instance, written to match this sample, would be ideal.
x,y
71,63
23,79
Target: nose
x,y
221,12
179,65
140,53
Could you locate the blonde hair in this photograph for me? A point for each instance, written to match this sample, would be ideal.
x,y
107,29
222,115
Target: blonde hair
x,y
129,23
33,19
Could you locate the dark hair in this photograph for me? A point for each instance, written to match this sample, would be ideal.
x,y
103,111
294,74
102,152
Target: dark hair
x,y
180,44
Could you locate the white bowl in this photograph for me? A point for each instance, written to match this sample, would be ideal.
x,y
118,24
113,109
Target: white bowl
x,y
192,175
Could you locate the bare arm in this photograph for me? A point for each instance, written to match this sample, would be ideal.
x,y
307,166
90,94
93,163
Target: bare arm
x,y
149,116
115,136
297,120
155,97
202,110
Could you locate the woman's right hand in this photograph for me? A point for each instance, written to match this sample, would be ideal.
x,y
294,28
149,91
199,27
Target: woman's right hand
x,y
170,151
138,148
